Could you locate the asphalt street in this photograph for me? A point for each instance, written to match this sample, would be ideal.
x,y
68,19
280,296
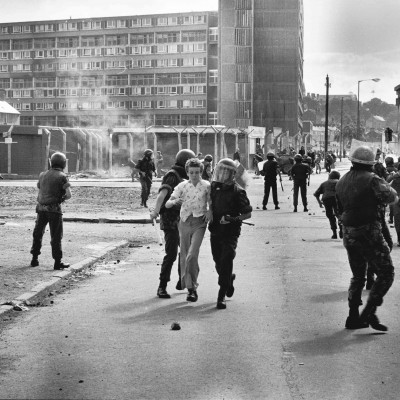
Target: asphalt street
x,y
282,335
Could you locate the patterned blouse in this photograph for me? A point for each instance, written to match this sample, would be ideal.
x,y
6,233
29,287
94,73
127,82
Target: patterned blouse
x,y
195,198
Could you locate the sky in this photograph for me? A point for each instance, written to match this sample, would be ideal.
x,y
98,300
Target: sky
x,y
348,40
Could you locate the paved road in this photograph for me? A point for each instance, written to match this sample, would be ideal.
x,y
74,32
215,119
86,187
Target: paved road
x,y
282,335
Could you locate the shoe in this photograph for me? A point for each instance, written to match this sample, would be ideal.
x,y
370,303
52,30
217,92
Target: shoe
x,y
295,209
178,285
221,304
162,293
374,323
277,208
264,207
231,289
334,236
192,296
34,262
355,323
59,265
305,209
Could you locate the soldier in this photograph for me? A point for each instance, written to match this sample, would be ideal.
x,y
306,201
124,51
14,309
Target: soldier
x,y
270,171
146,169
54,189
360,194
169,219
230,206
207,171
299,173
327,189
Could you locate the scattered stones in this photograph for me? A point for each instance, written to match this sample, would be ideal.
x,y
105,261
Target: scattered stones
x,y
175,326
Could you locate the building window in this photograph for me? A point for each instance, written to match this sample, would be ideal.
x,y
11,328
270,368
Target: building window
x,y
146,21
213,34
213,118
213,76
121,23
162,21
110,24
26,106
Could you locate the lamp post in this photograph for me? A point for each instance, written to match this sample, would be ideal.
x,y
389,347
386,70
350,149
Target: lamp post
x,y
358,100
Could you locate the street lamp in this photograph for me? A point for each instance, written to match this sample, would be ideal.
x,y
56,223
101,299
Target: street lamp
x,y
358,100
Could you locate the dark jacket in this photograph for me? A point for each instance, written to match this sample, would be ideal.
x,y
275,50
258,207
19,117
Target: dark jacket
x,y
169,217
147,166
270,170
327,189
228,200
358,194
300,172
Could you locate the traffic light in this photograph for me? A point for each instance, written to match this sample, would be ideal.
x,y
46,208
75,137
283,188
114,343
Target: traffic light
x,y
388,134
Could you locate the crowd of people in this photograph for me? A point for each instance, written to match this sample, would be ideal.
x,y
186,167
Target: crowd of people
x,y
193,196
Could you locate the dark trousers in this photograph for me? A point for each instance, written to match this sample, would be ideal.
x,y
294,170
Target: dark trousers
x,y
303,189
223,249
146,185
268,185
366,245
331,212
171,237
55,222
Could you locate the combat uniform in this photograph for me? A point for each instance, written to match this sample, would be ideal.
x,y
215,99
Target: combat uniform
x,y
360,193
299,174
169,221
147,168
270,171
226,200
52,185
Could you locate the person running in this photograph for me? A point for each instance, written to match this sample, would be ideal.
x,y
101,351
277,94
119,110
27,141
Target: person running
x,y
169,219
328,191
360,194
194,198
230,206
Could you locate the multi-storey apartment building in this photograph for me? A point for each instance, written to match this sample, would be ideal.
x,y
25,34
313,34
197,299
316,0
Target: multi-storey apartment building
x,y
119,71
261,63
237,67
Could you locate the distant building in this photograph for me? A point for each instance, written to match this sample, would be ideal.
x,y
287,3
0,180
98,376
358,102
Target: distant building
x,y
239,66
376,123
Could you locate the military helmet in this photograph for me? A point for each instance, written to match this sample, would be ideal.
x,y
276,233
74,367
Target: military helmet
x,y
298,157
225,171
58,160
270,154
208,158
148,153
363,155
334,175
389,160
183,155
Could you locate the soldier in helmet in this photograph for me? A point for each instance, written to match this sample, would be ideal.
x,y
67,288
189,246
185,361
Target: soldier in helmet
x,y
360,195
299,173
169,219
230,206
207,171
54,189
270,171
146,168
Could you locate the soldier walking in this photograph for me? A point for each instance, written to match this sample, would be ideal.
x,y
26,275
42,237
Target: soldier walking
x,y
146,169
360,194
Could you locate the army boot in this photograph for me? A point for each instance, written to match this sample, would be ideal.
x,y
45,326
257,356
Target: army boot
x,y
334,236
221,304
353,320
35,261
162,292
369,317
